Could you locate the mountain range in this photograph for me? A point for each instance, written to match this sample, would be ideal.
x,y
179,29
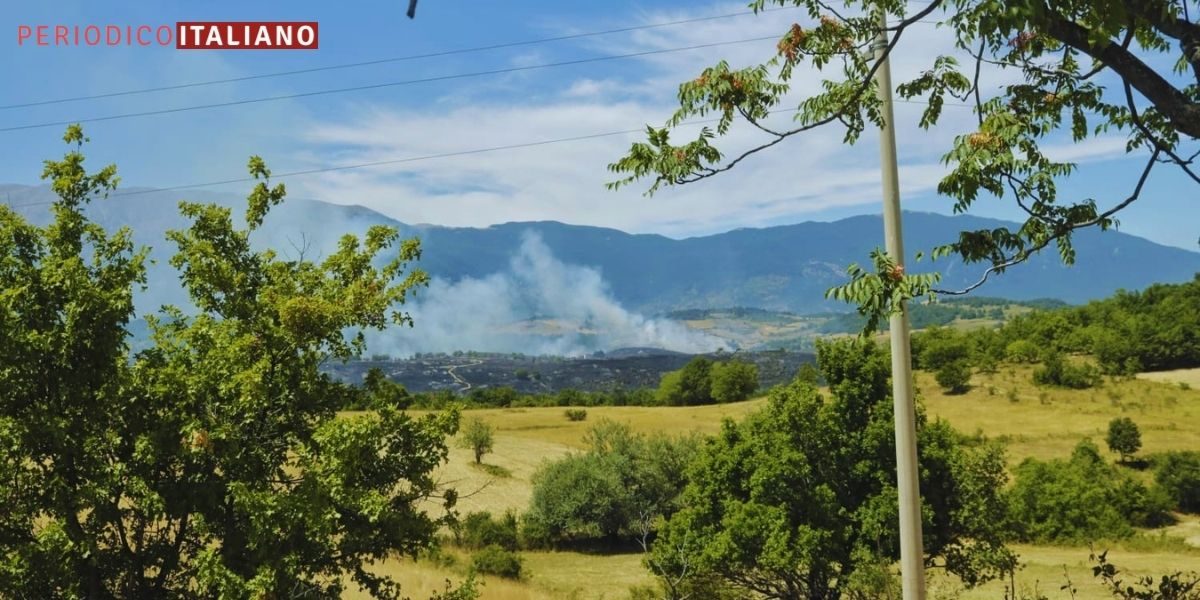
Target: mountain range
x,y
783,268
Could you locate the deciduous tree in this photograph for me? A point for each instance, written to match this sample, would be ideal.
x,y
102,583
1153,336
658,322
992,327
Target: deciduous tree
x,y
1061,71
796,499
478,437
1124,437
214,463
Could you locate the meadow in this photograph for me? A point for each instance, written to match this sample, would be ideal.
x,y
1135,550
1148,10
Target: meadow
x,y
1033,421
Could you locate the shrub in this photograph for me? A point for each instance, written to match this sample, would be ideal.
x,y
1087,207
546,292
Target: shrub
x,y
576,497
1022,351
1124,438
1178,475
575,414
1080,499
1057,371
954,376
494,560
937,347
480,530
620,485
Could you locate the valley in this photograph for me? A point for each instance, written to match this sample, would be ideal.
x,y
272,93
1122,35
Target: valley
x,y
1035,424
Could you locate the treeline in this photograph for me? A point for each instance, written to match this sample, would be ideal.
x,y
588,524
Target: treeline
x,y
1156,329
714,514
701,381
944,313
737,312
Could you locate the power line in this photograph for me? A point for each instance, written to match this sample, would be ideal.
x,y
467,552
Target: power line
x,y
379,163
419,158
580,61
395,59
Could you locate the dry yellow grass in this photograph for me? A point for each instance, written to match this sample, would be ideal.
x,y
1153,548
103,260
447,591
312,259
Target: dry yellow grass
x,y
549,424
422,579
1048,422
586,576
1043,423
1048,568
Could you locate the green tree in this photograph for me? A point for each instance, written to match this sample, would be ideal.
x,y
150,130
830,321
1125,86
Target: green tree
x,y
954,376
937,347
1178,474
1022,351
1076,71
212,464
795,500
1080,500
732,381
1056,370
381,391
1124,437
478,437
621,485
689,386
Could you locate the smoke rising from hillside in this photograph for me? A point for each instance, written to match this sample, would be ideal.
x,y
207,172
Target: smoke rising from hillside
x,y
540,305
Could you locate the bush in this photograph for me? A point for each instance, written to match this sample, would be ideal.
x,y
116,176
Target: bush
x,y
937,347
494,560
1022,351
954,376
1178,475
579,496
1080,499
1124,438
480,530
1057,371
575,414
619,486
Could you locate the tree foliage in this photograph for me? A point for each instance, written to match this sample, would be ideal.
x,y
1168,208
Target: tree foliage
x,y
212,464
1123,437
1081,499
1178,474
800,496
621,485
478,437
733,381
1063,71
689,386
1057,370
954,377
704,381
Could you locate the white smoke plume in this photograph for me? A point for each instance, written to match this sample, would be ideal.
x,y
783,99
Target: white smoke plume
x,y
540,305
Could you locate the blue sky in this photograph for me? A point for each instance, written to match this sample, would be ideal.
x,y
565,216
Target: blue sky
x,y
810,178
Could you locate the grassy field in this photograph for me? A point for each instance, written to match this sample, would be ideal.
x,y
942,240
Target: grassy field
x,y
1036,422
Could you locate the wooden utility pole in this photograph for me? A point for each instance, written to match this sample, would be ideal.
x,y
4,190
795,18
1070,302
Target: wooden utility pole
x,y
912,554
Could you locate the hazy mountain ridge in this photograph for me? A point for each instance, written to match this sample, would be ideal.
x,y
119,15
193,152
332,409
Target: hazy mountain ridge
x,y
784,268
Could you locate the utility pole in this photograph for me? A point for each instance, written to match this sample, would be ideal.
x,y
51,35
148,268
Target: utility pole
x,y
912,554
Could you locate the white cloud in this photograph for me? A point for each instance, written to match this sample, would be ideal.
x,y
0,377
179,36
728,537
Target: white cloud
x,y
812,172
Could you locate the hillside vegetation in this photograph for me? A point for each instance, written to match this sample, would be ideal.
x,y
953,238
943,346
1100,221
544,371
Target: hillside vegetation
x,y
1041,423
1046,385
